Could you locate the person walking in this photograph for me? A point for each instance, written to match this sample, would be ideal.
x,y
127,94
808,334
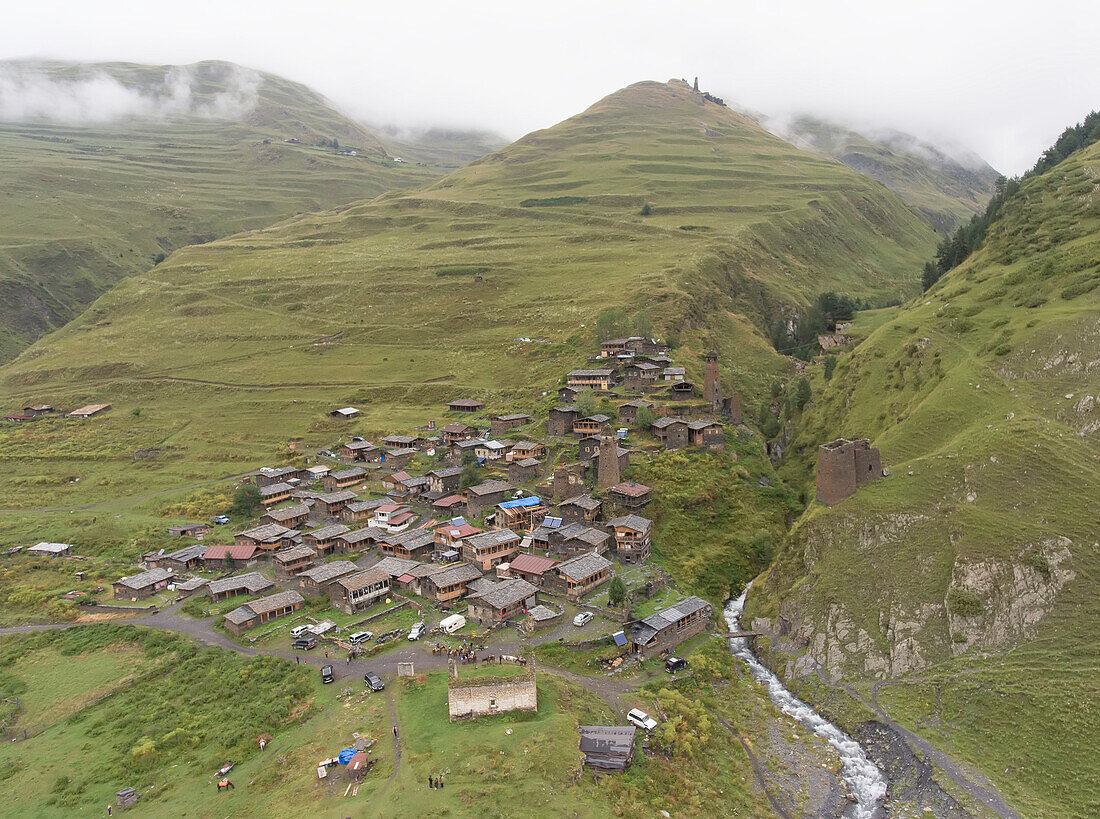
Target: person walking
x,y
395,732
108,810
431,784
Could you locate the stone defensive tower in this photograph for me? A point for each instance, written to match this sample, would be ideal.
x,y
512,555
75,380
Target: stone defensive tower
x,y
712,389
607,464
843,466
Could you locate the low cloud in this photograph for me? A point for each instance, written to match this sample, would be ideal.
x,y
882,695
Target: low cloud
x,y
28,94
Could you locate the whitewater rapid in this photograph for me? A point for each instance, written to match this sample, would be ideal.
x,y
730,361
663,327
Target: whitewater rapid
x,y
863,778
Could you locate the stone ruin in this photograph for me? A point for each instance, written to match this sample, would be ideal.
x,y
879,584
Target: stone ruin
x,y
843,466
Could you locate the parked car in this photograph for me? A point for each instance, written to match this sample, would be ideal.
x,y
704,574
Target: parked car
x,y
357,438
583,619
417,631
373,681
361,637
220,520
326,454
674,664
640,718
306,643
299,631
326,674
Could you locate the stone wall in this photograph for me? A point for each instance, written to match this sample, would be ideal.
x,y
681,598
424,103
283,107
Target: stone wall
x,y
478,697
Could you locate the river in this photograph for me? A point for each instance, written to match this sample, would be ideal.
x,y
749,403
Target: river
x,y
863,778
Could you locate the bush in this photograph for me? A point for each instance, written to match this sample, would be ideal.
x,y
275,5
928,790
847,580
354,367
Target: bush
x,y
964,602
830,366
247,501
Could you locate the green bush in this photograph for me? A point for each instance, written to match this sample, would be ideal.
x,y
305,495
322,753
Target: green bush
x,y
964,602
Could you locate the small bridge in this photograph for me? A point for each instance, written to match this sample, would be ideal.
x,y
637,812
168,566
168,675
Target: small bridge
x,y
745,634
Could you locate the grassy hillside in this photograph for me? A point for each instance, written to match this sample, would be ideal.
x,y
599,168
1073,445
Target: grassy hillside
x,y
190,154
945,189
224,353
967,577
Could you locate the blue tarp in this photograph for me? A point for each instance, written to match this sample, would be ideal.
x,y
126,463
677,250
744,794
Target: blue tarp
x,y
533,500
345,755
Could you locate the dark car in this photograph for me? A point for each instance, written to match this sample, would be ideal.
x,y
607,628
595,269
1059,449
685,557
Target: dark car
x,y
373,681
674,664
326,674
305,643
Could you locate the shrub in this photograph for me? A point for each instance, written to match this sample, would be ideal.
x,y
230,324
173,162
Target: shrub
x,y
964,602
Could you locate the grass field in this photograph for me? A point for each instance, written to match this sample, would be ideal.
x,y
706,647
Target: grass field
x,y
970,570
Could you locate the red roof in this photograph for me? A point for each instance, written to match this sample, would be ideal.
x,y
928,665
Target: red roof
x,y
532,564
630,489
406,578
449,501
465,530
397,477
397,520
386,508
234,551
359,761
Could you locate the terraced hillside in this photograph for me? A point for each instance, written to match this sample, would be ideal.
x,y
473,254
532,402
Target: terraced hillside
x,y
108,167
946,190
965,582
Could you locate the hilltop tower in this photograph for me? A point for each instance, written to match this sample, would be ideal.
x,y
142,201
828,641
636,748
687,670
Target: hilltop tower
x,y
712,389
607,464
843,466
696,87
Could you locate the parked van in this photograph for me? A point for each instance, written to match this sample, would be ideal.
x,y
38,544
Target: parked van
x,y
416,632
453,623
299,631
361,637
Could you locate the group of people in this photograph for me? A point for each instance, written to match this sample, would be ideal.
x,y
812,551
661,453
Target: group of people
x,y
435,782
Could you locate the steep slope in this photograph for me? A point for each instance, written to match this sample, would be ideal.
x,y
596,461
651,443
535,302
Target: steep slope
x,y
107,167
229,350
967,578
947,189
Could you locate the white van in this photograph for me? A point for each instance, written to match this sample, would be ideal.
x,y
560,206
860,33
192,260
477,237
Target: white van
x,y
361,637
299,631
417,631
453,623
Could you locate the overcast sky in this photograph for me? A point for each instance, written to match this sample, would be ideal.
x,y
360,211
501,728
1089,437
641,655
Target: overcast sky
x,y
1000,78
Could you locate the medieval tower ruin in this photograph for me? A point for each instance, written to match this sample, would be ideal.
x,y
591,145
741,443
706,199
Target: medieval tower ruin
x,y
607,464
843,466
712,389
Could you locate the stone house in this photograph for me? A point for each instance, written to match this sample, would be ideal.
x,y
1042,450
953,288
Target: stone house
x,y
189,530
628,412
579,575
588,447
355,592
323,540
145,584
263,610
502,602
359,511
284,474
488,549
360,451
456,432
402,442
579,538
567,395
560,420
250,583
316,581
843,466
499,424
445,480
706,433
632,537
345,478
669,627
292,517
582,508
520,472
671,431
640,375
485,496
630,495
527,449
491,450
292,561
231,556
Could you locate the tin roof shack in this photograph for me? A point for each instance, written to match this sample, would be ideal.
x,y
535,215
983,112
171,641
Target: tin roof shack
x,y
671,431
266,538
358,540
591,425
444,480
345,478
344,413
292,561
502,602
707,433
275,493
88,410
316,581
323,540
628,412
608,749
520,514
360,452
413,544
472,697
601,379
630,495
231,556
146,584
669,627
499,424
50,549
450,583
485,496
579,538
263,610
331,504
559,421
524,471
357,511
289,516
456,432
465,405
355,592
632,535
581,509
490,548
180,561
581,574
535,569
189,530
250,583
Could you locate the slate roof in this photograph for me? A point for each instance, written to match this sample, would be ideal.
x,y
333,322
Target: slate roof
x,y
354,472
635,522
336,497
367,505
507,594
588,534
514,416
586,502
361,580
480,585
328,532
252,582
459,573
293,553
667,421
268,533
395,566
582,567
144,579
644,630
329,571
703,424
187,553
494,537
446,472
275,489
490,487
359,535
275,601
278,515
602,373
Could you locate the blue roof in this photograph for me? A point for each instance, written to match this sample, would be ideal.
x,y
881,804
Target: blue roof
x,y
532,500
619,637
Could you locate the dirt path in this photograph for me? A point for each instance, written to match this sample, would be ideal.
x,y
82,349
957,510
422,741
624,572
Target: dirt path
x,y
757,768
396,740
